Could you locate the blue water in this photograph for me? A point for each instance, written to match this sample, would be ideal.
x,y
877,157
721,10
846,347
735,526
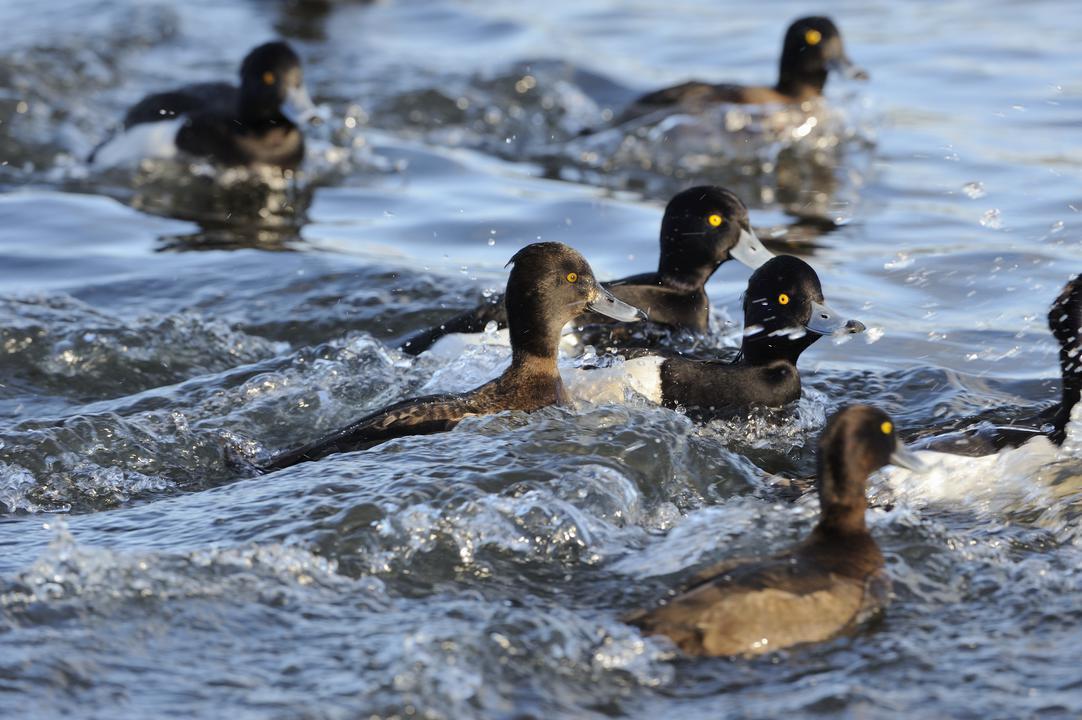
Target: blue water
x,y
152,324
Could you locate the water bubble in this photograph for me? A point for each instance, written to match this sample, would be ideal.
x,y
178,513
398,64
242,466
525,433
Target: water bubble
x,y
991,219
974,190
900,261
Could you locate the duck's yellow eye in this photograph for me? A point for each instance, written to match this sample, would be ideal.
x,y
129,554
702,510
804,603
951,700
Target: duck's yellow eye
x,y
268,78
887,427
783,299
813,37
715,220
572,277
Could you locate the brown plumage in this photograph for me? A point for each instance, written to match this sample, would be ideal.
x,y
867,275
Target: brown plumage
x,y
812,48
827,584
549,286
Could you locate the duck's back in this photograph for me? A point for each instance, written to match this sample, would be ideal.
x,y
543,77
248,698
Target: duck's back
x,y
696,96
753,609
684,309
217,98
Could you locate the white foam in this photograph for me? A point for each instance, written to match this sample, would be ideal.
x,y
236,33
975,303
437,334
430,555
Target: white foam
x,y
598,386
453,345
991,483
156,140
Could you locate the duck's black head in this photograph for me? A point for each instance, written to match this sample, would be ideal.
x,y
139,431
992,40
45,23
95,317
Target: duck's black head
x,y
813,47
784,312
702,228
857,441
272,86
549,285
1065,322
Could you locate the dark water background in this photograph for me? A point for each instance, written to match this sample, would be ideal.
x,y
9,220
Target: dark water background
x,y
481,573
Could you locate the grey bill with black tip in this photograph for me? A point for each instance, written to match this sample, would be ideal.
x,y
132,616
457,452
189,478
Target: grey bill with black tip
x,y
903,457
749,249
825,321
298,106
609,305
847,68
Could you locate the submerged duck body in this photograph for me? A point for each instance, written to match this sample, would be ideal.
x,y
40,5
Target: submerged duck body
x,y
255,123
702,228
1065,322
812,49
549,285
828,584
784,314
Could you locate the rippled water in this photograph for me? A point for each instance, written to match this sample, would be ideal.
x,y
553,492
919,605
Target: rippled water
x,y
155,328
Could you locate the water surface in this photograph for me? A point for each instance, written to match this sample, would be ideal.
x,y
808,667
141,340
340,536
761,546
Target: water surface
x,y
154,326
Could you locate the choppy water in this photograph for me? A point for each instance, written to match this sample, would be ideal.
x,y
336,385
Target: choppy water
x,y
151,328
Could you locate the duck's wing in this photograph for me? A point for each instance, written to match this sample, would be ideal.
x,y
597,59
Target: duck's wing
x,y
418,416
980,440
217,98
692,96
759,607
471,321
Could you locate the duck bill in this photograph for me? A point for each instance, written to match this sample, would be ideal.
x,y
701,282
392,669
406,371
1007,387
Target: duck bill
x,y
298,107
749,250
847,68
611,306
826,321
903,457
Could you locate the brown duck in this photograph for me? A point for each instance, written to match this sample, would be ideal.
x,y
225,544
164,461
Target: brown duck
x,y
826,585
549,285
812,49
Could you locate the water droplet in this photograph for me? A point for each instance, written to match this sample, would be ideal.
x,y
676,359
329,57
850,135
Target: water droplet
x,y
991,219
974,190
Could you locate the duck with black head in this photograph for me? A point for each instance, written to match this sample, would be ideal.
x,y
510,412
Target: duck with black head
x,y
257,123
702,228
550,284
784,314
830,583
1065,322
812,50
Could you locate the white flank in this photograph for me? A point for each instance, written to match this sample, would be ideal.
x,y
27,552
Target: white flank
x,y
1009,480
157,140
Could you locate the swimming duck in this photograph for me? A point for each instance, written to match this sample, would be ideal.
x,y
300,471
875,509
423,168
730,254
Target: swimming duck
x,y
1065,322
255,124
784,313
702,228
812,48
830,583
548,286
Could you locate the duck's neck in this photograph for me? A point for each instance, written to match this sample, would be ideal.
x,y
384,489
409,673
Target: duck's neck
x,y
685,275
842,477
837,519
535,337
763,348
534,344
801,86
255,116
